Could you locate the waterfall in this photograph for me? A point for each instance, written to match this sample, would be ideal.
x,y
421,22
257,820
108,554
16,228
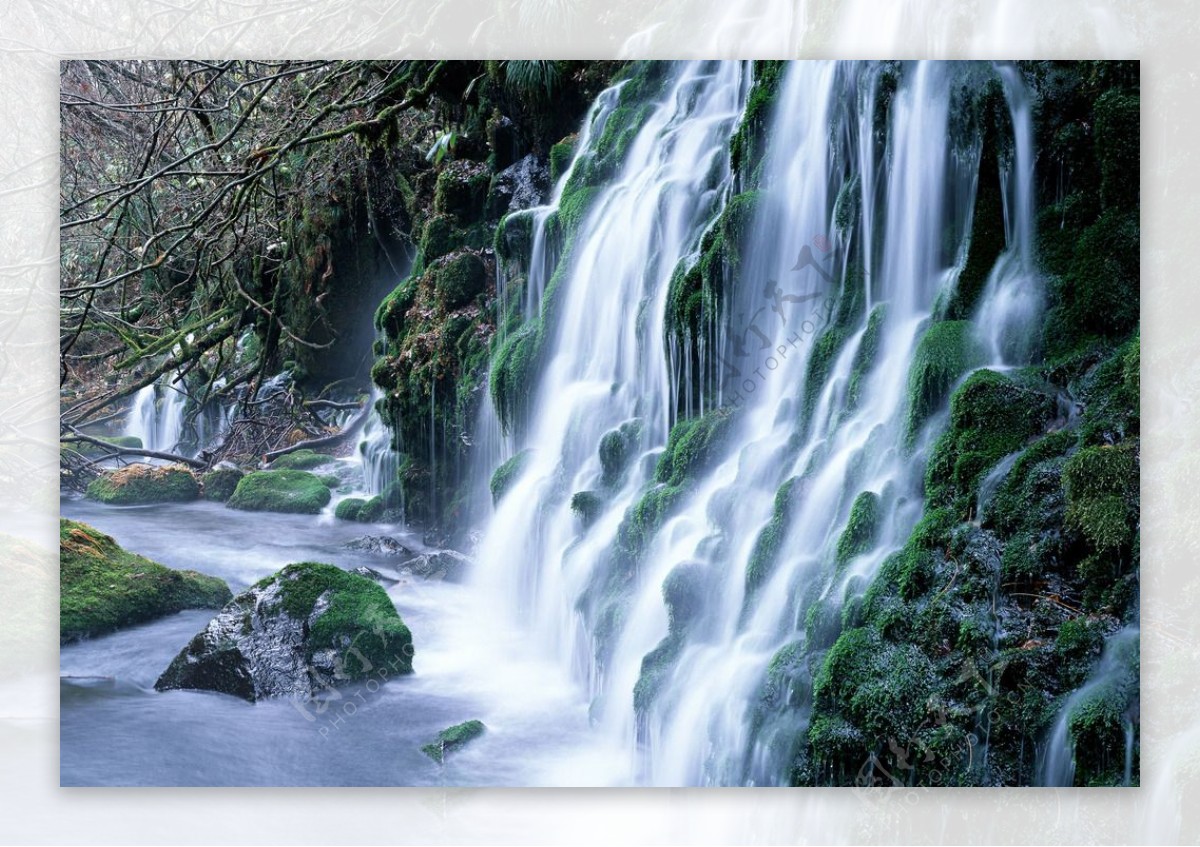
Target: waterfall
x,y
1110,688
687,646
156,416
380,463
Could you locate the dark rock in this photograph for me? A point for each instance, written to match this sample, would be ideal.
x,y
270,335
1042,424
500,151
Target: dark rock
x,y
295,633
520,186
371,573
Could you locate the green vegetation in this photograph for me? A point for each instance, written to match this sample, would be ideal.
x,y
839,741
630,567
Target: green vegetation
x,y
220,483
359,620
946,352
300,460
770,539
104,587
859,535
454,738
136,485
507,474
280,491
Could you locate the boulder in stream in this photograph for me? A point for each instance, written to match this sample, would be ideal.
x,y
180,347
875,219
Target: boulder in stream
x,y
381,545
104,587
138,484
443,564
297,492
295,633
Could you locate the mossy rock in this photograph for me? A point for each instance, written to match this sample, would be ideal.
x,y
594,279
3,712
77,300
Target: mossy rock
x,y
617,449
141,484
560,157
296,633
453,738
947,350
220,483
770,539
104,587
297,492
300,460
461,190
859,535
439,237
991,416
508,473
458,279
349,509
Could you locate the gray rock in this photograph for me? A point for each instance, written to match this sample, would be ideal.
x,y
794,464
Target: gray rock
x,y
380,545
270,640
444,564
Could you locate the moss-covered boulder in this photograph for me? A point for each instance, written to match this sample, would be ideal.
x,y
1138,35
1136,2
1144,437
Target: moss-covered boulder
x,y
298,492
220,483
459,279
300,460
296,633
453,738
104,587
136,485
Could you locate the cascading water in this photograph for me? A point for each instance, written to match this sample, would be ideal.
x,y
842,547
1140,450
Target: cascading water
x,y
156,416
1108,690
818,411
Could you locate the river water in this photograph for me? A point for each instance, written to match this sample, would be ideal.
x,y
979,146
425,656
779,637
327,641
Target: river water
x,y
117,730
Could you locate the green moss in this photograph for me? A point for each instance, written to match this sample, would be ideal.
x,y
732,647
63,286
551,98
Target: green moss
x,y
947,350
882,687
691,446
1101,485
749,142
300,460
458,280
1077,647
439,237
990,417
865,356
449,740
220,483
1099,295
859,535
617,449
141,484
104,587
588,505
505,475
560,157
280,491
349,509
766,547
461,190
359,621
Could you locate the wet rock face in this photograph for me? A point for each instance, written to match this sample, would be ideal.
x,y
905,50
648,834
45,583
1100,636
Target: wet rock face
x,y
294,634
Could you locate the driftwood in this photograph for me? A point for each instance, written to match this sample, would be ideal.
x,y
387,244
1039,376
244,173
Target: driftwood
x,y
116,450
324,440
